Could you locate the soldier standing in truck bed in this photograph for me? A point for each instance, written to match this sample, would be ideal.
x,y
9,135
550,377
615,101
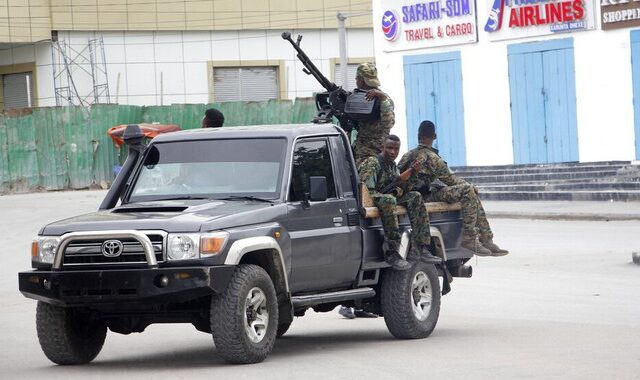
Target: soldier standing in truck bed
x,y
371,134
476,232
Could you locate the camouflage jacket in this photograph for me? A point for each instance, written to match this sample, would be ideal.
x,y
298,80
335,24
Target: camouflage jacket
x,y
433,168
376,173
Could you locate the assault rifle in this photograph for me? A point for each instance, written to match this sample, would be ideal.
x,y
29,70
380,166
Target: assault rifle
x,y
403,177
347,107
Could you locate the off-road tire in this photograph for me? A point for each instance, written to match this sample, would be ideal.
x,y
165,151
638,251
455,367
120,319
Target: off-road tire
x,y
398,306
67,335
228,312
282,329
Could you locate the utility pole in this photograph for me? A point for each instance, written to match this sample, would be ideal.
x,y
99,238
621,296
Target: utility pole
x,y
342,42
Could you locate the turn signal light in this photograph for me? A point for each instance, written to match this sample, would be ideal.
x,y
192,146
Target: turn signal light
x,y
34,248
211,245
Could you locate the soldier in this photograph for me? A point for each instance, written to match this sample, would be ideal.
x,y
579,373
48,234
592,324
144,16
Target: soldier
x,y
378,172
476,235
371,134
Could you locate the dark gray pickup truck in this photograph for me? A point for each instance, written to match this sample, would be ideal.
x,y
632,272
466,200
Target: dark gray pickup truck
x,y
235,230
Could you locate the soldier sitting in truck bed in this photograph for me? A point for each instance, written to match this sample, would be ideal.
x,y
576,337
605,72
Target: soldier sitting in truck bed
x,y
378,172
476,235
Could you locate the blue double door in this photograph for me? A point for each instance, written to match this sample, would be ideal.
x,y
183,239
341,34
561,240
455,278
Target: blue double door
x,y
635,68
543,102
433,91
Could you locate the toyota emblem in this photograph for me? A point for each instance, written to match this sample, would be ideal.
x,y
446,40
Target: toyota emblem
x,y
112,248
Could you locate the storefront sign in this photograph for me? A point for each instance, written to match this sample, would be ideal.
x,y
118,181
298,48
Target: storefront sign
x,y
620,13
526,18
414,24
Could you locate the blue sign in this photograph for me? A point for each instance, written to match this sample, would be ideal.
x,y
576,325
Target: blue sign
x,y
390,27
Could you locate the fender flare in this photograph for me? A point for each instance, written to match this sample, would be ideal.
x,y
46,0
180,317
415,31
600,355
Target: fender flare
x,y
243,246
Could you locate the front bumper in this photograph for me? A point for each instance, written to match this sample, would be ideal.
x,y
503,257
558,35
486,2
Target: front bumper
x,y
129,286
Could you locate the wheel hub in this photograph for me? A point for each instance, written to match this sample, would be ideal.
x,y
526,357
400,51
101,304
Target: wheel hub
x,y
421,296
256,316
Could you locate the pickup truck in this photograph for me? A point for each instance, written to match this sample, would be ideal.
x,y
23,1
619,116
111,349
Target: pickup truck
x,y
236,231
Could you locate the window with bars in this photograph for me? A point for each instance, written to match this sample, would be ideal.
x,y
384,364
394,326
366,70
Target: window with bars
x,y
231,84
17,90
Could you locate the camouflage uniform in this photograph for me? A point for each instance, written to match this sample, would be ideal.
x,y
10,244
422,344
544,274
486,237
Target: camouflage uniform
x,y
371,134
376,173
457,190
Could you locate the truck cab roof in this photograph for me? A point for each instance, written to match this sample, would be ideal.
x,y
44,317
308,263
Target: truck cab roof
x,y
288,131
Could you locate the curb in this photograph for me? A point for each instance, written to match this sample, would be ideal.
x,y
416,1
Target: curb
x,y
564,216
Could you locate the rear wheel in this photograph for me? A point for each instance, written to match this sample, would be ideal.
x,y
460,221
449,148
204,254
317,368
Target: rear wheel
x,y
411,301
69,335
244,319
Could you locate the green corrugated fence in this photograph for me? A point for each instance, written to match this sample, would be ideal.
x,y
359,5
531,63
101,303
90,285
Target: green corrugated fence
x,y
60,148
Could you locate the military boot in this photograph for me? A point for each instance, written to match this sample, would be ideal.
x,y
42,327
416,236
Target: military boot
x,y
493,247
473,245
391,255
421,253
394,259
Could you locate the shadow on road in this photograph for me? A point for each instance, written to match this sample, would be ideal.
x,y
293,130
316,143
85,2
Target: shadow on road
x,y
204,356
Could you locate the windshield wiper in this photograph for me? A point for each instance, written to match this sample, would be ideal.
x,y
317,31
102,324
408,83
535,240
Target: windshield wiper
x,y
245,197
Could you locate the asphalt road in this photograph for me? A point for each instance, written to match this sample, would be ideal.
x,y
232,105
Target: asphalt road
x,y
564,304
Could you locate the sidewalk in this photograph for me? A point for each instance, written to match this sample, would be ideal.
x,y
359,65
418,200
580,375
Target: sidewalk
x,y
563,210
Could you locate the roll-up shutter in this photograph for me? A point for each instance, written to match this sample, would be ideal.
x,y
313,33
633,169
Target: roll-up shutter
x,y
351,76
17,90
245,83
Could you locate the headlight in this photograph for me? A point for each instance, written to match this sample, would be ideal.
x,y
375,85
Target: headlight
x,y
194,246
43,249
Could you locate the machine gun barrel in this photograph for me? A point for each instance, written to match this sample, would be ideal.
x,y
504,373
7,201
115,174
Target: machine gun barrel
x,y
311,69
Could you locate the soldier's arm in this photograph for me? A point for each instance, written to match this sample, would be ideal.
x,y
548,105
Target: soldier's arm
x,y
387,117
445,174
368,172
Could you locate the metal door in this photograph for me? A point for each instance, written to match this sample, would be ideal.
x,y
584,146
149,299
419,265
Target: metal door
x,y
543,102
635,69
433,91
320,233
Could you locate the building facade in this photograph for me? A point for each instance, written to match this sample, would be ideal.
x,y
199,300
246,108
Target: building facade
x,y
159,52
514,81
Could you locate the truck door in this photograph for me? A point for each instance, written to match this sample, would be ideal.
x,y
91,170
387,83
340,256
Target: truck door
x,y
322,242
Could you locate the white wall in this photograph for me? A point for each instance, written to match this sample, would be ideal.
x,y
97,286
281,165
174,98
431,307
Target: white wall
x,y
181,57
603,90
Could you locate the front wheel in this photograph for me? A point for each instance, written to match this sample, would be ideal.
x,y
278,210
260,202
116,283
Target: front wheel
x,y
411,301
69,335
244,319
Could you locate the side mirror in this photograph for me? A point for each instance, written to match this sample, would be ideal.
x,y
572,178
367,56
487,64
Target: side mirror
x,y
318,188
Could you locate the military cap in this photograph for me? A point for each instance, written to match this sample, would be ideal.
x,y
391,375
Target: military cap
x,y
368,73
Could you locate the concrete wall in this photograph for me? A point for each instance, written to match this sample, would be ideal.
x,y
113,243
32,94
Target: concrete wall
x,y
183,58
603,89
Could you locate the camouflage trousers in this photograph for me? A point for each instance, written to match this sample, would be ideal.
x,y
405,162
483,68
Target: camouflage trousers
x,y
474,219
369,141
420,234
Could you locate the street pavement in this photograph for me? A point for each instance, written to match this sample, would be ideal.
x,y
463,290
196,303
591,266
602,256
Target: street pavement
x,y
563,305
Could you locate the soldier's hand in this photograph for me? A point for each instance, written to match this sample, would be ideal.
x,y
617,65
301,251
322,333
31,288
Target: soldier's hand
x,y
416,166
398,192
374,93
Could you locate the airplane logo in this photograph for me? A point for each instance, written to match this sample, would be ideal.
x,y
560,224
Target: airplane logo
x,y
390,27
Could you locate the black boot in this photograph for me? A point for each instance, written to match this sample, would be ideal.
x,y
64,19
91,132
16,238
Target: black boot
x,y
422,253
394,259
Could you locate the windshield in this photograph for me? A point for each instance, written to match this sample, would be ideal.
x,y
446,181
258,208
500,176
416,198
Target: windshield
x,y
211,169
